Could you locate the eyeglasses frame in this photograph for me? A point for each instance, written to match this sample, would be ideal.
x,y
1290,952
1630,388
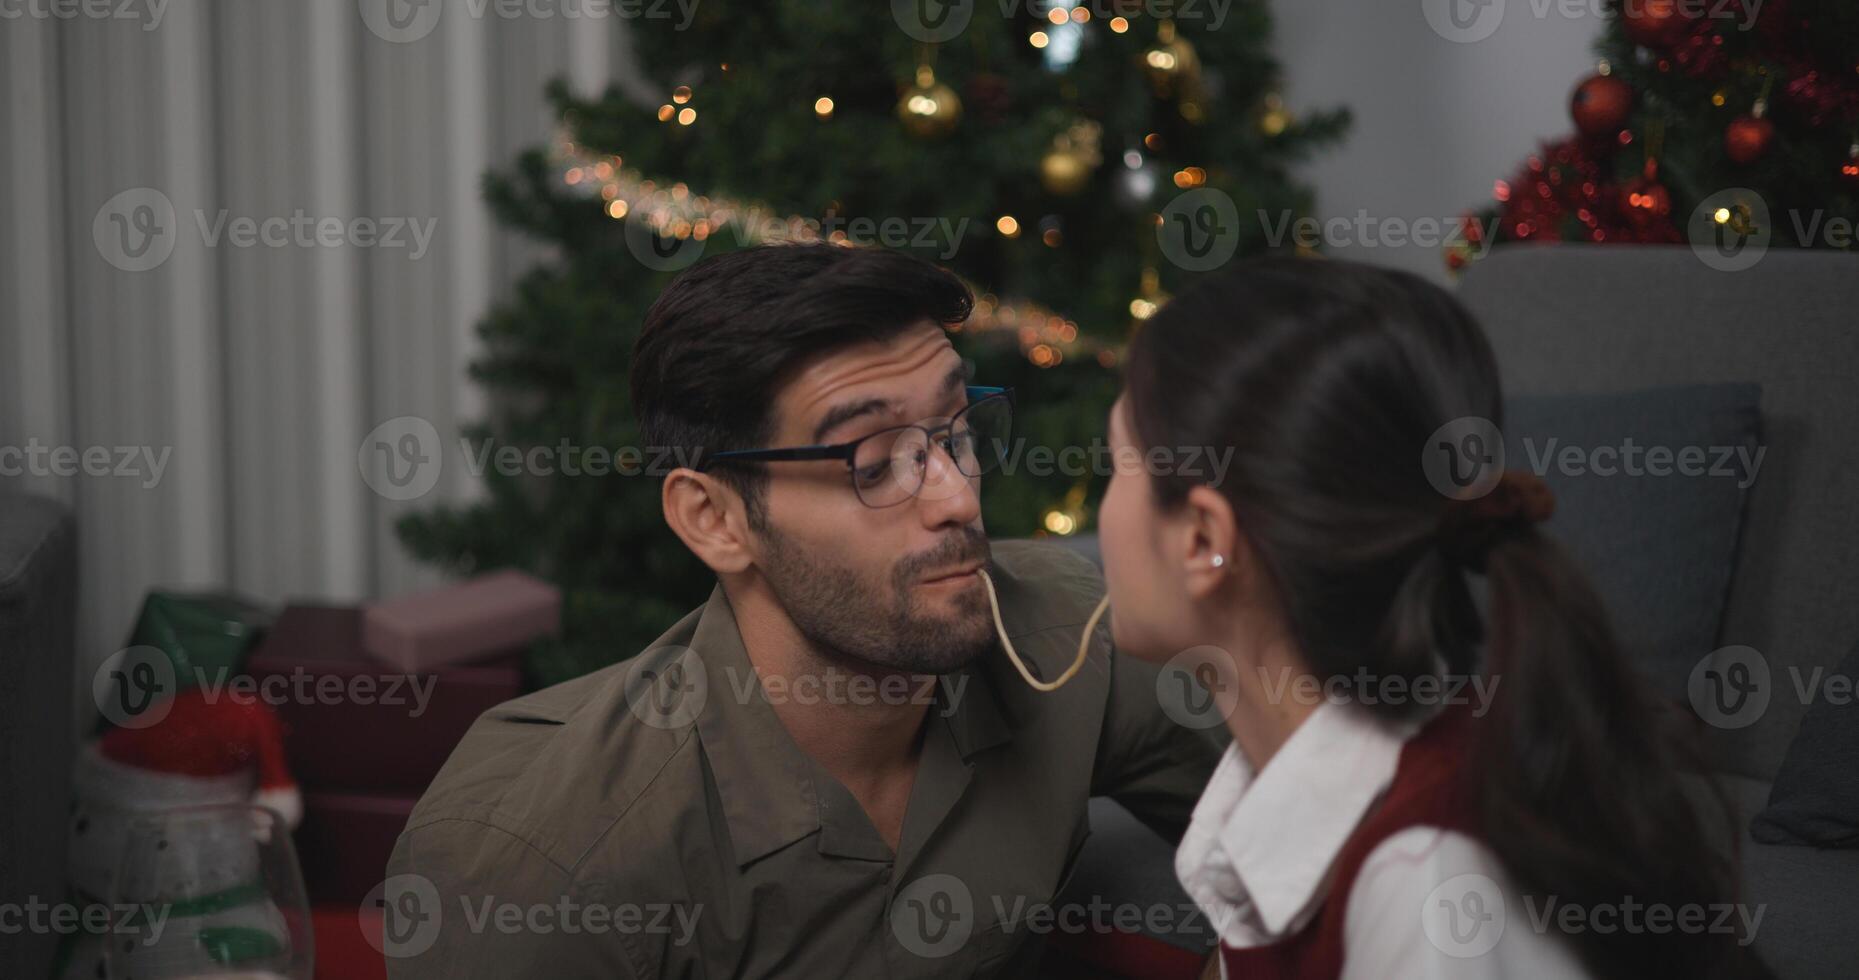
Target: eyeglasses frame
x,y
848,451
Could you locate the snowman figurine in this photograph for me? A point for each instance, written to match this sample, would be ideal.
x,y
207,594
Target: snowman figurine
x,y
167,829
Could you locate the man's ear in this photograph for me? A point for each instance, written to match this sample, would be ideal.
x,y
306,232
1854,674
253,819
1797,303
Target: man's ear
x,y
709,517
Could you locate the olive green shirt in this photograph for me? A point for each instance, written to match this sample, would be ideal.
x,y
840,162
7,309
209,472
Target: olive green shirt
x,y
654,819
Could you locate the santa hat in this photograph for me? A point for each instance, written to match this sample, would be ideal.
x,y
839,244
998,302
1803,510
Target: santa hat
x,y
209,739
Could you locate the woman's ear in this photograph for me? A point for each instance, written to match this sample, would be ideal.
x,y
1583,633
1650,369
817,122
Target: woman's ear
x,y
709,517
1214,553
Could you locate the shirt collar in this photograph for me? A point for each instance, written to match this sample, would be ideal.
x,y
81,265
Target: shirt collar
x,y
773,794
1266,840
766,783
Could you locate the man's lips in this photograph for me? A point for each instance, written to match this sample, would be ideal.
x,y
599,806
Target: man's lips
x,y
954,575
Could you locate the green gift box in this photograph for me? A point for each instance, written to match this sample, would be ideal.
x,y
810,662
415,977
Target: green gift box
x,y
205,635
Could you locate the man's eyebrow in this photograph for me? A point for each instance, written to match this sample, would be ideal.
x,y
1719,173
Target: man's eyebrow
x,y
956,380
839,415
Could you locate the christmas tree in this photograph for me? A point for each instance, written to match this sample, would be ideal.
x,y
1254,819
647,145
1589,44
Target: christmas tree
x,y
1029,149
1742,114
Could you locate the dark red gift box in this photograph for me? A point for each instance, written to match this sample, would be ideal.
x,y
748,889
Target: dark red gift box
x,y
348,943
355,725
345,841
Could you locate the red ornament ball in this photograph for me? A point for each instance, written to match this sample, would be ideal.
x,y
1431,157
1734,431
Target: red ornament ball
x,y
1601,105
1654,23
1748,138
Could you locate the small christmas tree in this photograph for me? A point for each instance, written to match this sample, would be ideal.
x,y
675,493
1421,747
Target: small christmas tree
x,y
1728,108
1030,153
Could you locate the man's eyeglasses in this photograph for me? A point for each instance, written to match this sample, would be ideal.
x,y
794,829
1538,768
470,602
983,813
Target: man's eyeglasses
x,y
889,466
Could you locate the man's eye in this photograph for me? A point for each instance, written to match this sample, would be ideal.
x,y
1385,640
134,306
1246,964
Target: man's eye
x,y
872,475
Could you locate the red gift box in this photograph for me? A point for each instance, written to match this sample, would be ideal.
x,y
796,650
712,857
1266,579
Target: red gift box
x,y
354,725
348,943
345,841
487,614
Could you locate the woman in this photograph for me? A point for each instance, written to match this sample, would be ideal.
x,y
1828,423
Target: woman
x,y
1357,827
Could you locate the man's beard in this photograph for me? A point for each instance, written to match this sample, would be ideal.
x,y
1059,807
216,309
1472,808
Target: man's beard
x,y
845,616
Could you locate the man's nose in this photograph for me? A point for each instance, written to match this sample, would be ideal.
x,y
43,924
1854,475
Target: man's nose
x,y
948,496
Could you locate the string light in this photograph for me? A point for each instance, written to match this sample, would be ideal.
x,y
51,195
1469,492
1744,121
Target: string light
x,y
1069,515
1043,337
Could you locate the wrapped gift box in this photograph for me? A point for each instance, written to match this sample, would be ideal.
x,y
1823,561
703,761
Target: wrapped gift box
x,y
206,635
345,841
348,944
355,725
471,619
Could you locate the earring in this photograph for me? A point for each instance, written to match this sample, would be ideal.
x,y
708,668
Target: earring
x,y
1219,560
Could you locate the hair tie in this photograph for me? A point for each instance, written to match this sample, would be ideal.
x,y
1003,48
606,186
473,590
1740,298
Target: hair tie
x,y
1471,524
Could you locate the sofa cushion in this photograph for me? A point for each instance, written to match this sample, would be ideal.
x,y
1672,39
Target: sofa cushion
x,y
1810,923
1815,801
1580,319
1650,487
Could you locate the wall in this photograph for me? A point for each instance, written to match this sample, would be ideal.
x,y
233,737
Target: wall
x,y
1436,121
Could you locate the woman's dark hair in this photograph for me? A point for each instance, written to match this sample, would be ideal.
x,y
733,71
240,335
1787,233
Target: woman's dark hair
x,y
723,337
1327,379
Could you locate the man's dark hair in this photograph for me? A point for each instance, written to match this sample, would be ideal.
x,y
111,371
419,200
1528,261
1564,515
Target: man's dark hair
x,y
724,336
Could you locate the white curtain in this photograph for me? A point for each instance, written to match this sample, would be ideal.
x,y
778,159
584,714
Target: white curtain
x,y
230,385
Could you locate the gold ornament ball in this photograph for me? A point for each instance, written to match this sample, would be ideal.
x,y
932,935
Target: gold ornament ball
x,y
1074,155
1171,63
929,109
1064,172
1274,120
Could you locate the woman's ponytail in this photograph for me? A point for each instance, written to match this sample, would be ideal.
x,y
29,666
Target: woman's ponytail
x,y
1574,768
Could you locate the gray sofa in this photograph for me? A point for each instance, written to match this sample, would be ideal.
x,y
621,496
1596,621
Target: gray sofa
x,y
1571,320
38,589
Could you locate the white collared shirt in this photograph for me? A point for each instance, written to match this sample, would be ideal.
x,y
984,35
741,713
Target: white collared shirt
x,y
1427,902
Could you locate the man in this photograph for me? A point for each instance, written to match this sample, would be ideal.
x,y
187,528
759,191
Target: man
x,y
830,768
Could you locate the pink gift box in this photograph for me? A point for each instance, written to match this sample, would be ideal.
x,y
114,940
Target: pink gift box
x,y
485,615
